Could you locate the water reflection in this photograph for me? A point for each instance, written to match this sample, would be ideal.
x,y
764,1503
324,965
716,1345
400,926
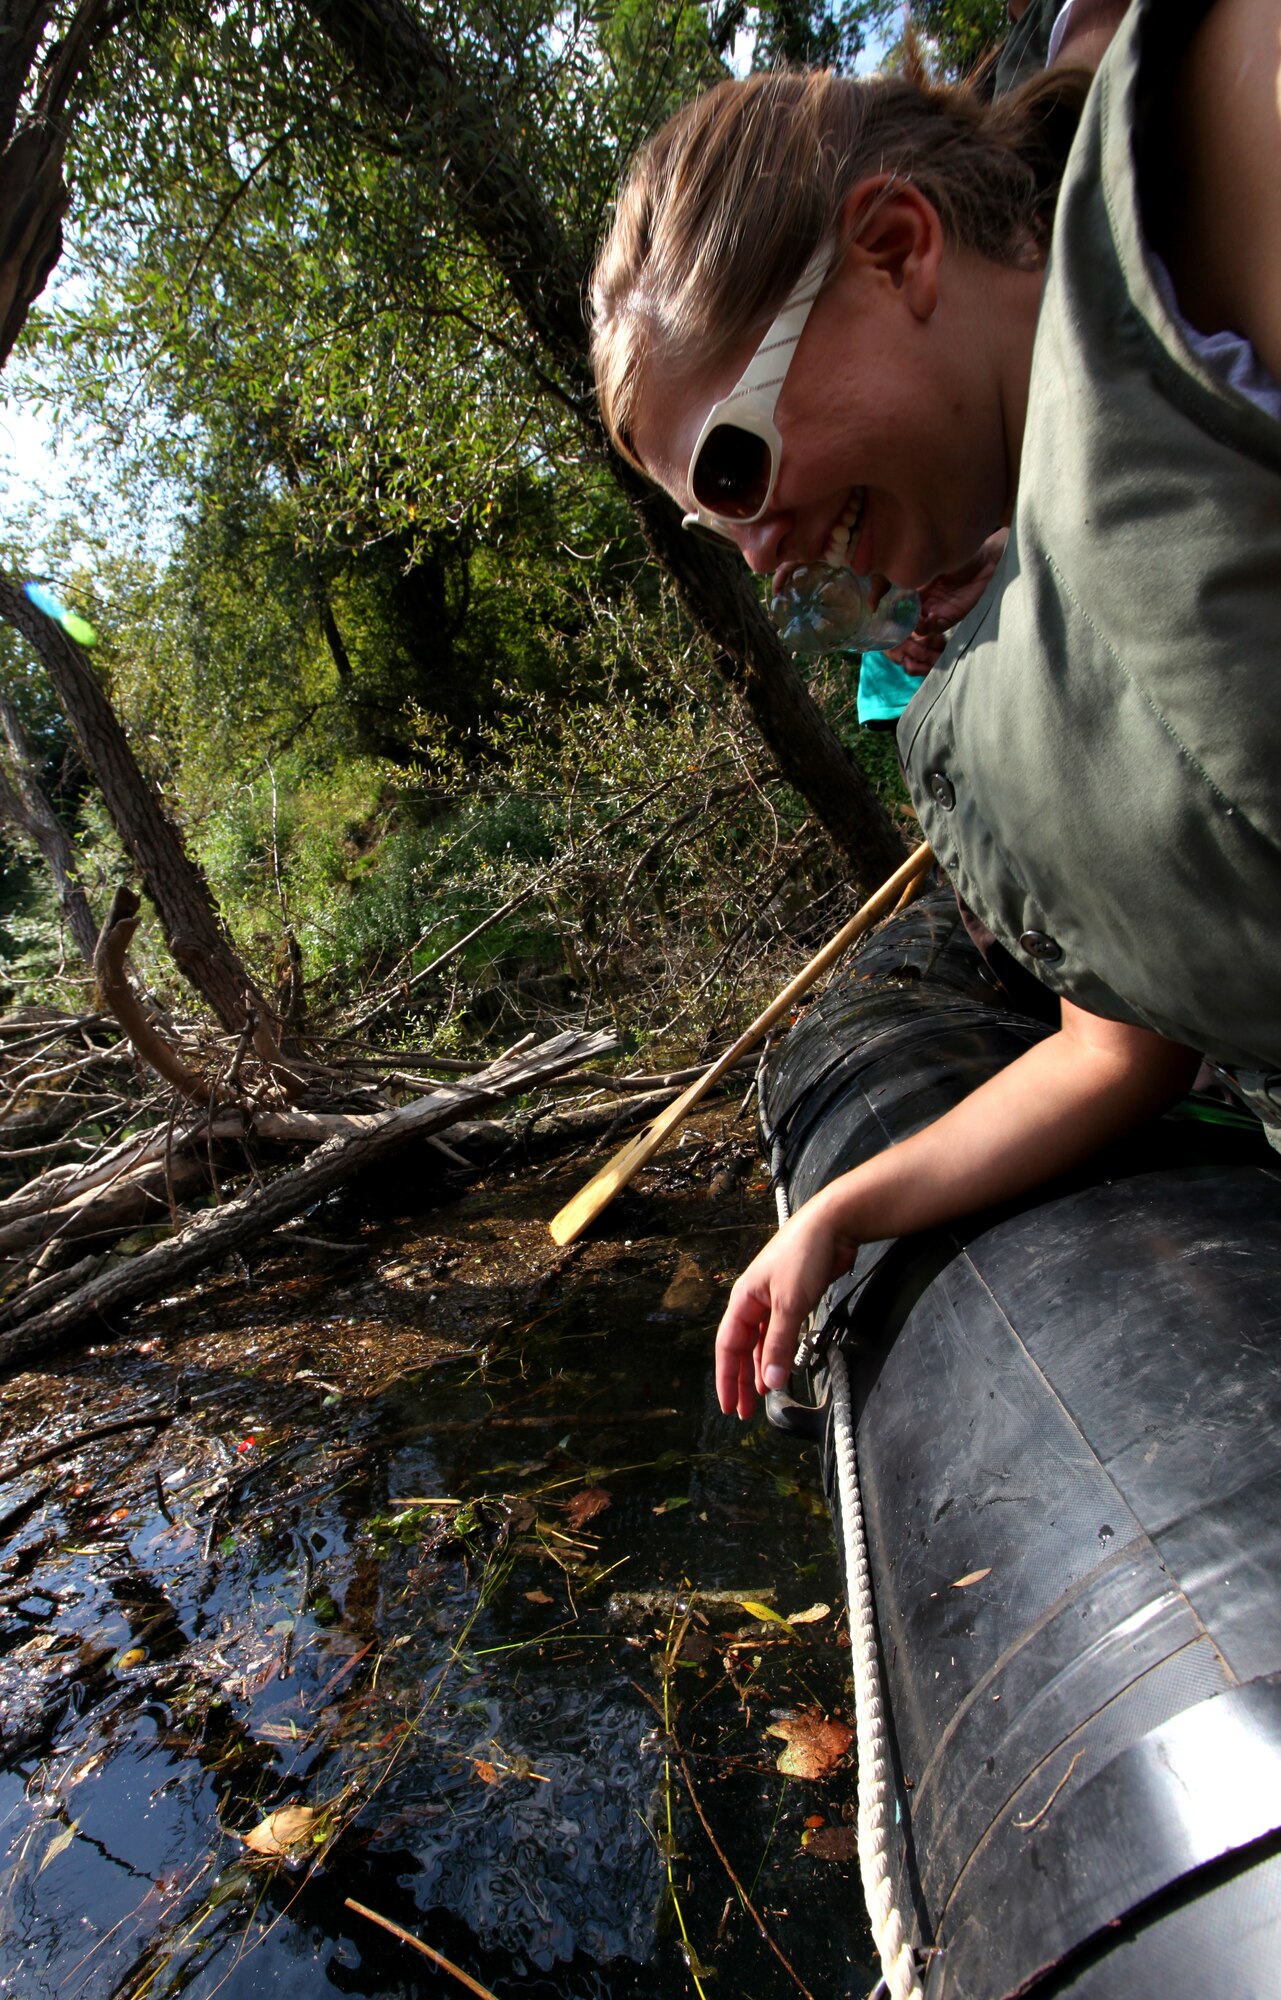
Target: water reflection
x,y
415,1547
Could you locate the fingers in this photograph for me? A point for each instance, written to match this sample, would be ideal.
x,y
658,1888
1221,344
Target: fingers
x,y
778,1351
740,1333
756,1341
755,1345
919,652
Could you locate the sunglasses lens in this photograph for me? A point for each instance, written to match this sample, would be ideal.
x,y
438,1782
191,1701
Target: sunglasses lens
x,y
731,475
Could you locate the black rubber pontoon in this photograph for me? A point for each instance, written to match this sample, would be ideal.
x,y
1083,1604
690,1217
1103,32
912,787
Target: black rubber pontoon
x,y
1078,1404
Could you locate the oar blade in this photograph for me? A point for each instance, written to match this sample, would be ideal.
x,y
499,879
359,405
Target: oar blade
x,y
599,1191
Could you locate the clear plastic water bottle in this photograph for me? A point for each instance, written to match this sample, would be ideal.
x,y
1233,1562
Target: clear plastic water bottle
x,y
824,610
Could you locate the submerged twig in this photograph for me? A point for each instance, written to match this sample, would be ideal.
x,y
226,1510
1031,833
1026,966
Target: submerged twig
x,y
675,1639
436,1957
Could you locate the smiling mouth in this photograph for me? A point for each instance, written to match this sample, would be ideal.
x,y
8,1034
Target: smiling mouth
x,y
844,535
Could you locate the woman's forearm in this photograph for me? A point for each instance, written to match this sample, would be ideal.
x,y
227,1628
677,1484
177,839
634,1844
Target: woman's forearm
x,y
1046,1112
1043,1114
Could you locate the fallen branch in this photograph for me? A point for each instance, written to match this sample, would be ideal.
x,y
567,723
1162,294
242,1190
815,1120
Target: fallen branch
x,y
743,1896
359,1142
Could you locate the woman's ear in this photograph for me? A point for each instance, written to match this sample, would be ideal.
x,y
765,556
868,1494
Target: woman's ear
x,y
893,230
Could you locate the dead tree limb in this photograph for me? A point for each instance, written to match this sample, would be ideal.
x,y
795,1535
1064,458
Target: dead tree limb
x,y
29,1324
117,994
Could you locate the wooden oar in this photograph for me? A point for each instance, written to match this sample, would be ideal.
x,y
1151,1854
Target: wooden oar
x,y
615,1174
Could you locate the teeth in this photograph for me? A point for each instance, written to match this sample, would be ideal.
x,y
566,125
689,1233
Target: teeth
x,y
836,554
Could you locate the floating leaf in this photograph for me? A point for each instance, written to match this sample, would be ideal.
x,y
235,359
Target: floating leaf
x,y
975,1576
814,1743
281,1831
485,1771
59,1844
833,1843
755,1609
586,1505
812,1616
538,1597
670,1506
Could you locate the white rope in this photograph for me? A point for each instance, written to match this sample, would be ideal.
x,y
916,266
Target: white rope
x,y
876,1801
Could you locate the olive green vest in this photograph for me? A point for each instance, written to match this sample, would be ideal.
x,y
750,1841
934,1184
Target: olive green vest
x,y
1096,760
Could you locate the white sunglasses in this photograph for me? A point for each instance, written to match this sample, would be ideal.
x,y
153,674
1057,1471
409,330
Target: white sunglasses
x,y
733,468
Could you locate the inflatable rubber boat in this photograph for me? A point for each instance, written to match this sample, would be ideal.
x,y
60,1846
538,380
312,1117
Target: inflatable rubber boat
x,y
1067,1420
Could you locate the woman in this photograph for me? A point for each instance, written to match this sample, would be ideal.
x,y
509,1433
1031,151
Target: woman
x,y
827,324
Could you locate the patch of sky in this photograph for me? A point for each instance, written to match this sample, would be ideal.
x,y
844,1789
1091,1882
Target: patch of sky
x,y
60,489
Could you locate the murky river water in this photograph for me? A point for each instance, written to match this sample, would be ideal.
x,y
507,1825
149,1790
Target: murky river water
x,y
434,1535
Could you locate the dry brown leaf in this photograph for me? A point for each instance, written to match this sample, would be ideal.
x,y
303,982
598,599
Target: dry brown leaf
x,y
814,1743
281,1830
812,1616
586,1505
690,1290
975,1576
834,1843
538,1597
485,1771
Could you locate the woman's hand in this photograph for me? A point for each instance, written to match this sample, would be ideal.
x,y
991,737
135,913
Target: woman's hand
x,y
945,602
756,1342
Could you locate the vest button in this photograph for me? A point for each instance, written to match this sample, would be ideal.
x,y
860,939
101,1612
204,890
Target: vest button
x,y
1039,945
941,790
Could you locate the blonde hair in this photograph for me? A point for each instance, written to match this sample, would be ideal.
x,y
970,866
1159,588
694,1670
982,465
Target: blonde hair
x,y
727,203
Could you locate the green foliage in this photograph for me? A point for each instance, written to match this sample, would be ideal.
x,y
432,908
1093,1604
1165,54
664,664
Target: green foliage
x,y
386,643
960,33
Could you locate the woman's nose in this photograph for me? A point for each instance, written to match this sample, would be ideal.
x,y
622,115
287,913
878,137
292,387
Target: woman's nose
x,y
761,542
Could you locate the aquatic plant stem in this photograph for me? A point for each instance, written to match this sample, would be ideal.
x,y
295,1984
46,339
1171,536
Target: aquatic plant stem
x,y
675,1636
436,1957
745,1899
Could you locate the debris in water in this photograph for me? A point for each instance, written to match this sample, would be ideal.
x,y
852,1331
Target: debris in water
x,y
814,1743
755,1609
832,1843
585,1506
690,1291
277,1836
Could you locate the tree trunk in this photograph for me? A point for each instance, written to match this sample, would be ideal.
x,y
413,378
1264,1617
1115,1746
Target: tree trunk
x,y
33,201
22,800
407,78
193,930
720,595
33,195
